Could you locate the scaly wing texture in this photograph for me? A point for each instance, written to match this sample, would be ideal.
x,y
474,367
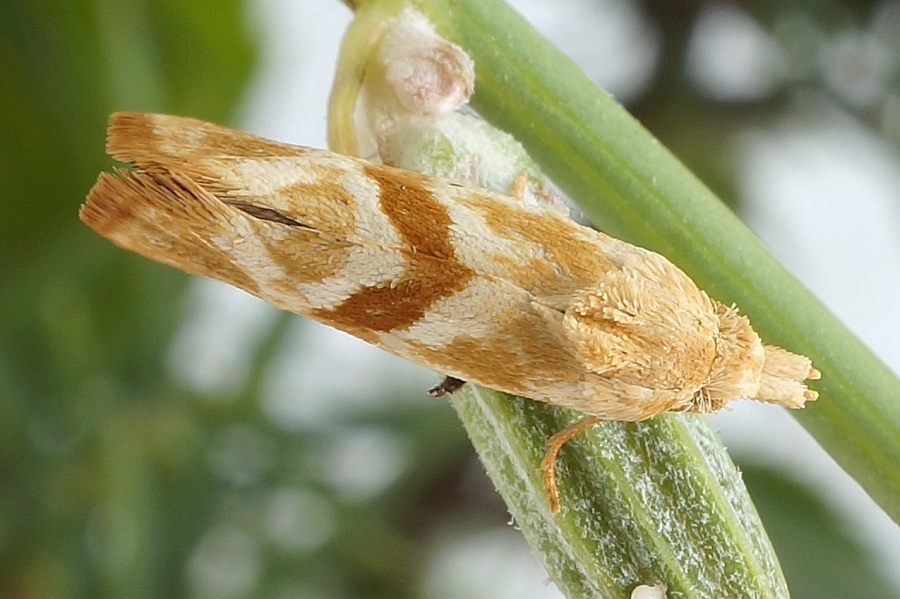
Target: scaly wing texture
x,y
461,280
397,259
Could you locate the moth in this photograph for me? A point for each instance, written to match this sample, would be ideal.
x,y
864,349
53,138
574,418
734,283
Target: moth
x,y
470,283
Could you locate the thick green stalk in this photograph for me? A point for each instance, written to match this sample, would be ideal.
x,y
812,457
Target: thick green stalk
x,y
658,502
634,188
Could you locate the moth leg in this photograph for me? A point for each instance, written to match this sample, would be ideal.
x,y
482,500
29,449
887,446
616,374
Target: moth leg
x,y
519,185
548,464
447,386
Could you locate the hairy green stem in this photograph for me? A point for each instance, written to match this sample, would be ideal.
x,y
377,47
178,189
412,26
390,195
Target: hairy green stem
x,y
650,503
657,502
635,189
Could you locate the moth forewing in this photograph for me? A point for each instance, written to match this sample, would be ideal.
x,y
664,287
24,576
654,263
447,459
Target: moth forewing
x,y
473,284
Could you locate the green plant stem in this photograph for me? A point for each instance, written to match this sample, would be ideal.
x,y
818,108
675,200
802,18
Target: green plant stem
x,y
643,503
635,189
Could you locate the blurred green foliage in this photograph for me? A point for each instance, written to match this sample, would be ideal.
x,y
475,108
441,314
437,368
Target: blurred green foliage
x,y
116,480
816,552
108,478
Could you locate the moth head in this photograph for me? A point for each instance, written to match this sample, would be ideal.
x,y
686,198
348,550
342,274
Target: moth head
x,y
739,360
744,367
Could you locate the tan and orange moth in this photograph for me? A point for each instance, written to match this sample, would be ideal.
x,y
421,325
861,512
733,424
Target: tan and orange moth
x,y
470,283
